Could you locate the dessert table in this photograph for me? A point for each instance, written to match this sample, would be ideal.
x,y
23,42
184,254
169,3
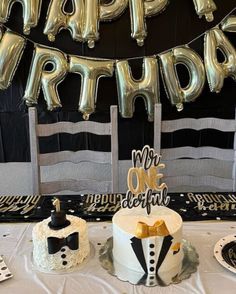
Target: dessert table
x,y
16,250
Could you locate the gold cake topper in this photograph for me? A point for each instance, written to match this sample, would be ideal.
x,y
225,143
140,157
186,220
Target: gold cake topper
x,y
143,179
147,174
57,204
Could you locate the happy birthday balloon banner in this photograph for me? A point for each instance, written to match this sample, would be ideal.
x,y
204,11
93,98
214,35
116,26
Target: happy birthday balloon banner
x,y
91,70
83,21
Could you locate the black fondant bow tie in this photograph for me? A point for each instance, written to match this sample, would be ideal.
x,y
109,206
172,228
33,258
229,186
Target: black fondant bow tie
x,y
55,244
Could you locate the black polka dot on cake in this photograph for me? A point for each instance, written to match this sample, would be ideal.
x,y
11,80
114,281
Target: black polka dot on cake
x,y
64,262
63,250
152,277
8,275
152,269
152,253
152,261
63,256
4,268
151,245
151,283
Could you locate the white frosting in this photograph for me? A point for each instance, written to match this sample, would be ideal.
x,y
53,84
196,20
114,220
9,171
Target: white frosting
x,y
43,259
124,226
127,219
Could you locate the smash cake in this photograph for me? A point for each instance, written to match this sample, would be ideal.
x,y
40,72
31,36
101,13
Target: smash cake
x,y
60,242
147,236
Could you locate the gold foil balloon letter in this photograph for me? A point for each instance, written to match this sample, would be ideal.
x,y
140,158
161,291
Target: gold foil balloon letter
x,y
94,12
129,88
83,22
192,61
90,71
39,76
215,40
112,10
229,25
11,48
205,7
91,22
58,19
31,12
139,10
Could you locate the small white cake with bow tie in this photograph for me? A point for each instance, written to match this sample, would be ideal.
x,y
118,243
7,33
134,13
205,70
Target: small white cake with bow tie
x,y
60,242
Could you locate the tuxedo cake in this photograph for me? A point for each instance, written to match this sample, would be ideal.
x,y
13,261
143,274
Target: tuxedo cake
x,y
147,245
60,242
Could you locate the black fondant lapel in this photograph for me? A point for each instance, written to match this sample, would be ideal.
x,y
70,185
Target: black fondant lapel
x,y
160,282
143,280
138,250
164,250
156,281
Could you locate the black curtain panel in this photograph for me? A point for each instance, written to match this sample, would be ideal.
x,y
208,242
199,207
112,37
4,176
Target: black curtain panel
x,y
177,25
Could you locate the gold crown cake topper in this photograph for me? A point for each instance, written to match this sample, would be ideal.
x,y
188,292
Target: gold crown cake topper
x,y
144,181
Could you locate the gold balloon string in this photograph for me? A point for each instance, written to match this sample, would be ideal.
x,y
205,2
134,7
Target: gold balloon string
x,y
187,44
8,29
217,25
129,58
196,38
35,44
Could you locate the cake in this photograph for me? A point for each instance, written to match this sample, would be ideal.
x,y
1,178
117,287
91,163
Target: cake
x,y
60,242
147,238
148,245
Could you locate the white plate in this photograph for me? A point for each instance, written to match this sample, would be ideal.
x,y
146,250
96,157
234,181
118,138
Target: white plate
x,y
218,252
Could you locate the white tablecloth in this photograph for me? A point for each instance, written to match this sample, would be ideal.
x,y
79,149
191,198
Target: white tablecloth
x,y
16,248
